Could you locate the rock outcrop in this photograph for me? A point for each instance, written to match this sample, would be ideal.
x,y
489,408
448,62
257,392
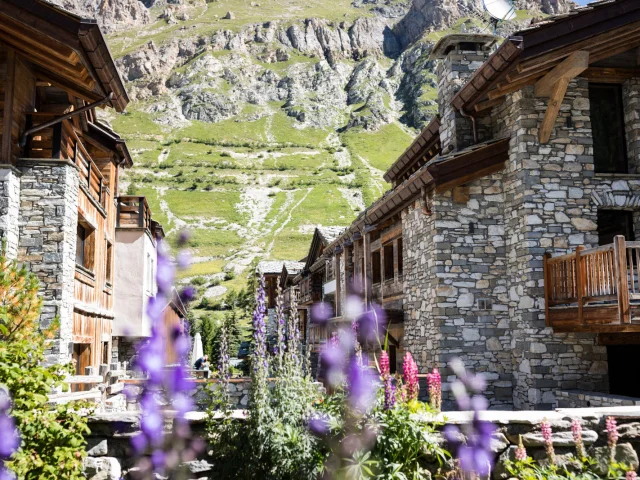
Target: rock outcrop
x,y
112,15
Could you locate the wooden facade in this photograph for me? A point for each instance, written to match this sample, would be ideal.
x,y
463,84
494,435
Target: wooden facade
x,y
55,69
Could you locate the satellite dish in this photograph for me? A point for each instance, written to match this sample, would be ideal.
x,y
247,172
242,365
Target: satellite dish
x,y
500,10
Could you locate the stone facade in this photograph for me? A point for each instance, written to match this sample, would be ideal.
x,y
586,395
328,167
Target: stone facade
x,y
474,270
123,349
47,245
9,209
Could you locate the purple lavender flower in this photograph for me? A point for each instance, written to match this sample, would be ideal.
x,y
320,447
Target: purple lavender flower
x,y
474,455
319,424
321,313
9,436
361,383
389,393
164,385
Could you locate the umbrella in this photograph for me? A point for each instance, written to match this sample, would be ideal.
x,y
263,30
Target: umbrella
x,y
198,351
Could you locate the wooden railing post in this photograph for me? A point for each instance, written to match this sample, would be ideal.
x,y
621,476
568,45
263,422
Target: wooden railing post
x,y
620,256
141,211
547,288
579,281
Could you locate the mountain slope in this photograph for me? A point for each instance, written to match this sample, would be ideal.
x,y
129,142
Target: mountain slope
x,y
255,121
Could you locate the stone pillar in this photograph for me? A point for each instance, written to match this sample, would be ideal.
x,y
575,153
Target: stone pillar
x,y
548,207
47,245
9,208
460,56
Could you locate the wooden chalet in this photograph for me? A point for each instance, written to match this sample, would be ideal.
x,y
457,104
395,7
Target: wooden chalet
x,y
59,170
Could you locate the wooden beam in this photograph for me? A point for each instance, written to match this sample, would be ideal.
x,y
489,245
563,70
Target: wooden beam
x,y
482,106
573,65
559,90
610,74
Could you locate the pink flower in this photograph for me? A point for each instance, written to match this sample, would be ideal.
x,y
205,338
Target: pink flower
x,y
521,452
631,475
384,364
612,432
410,371
545,428
435,388
576,430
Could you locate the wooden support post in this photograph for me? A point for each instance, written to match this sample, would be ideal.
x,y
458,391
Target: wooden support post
x,y
367,271
620,262
336,275
141,211
547,288
555,102
579,281
119,206
554,85
56,141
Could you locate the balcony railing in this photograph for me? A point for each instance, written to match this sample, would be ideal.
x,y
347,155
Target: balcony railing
x,y
61,141
133,212
594,290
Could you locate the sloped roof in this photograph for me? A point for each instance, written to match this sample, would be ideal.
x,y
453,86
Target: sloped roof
x,y
70,49
329,234
276,266
602,28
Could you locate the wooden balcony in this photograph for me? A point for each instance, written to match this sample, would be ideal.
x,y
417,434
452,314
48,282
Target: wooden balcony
x,y
61,141
595,290
133,212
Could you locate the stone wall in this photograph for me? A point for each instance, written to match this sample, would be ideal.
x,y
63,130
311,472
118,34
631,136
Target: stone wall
x,y
9,209
418,263
584,399
47,244
548,190
110,456
123,349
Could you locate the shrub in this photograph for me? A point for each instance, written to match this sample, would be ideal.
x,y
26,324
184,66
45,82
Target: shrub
x,y
229,275
199,281
52,438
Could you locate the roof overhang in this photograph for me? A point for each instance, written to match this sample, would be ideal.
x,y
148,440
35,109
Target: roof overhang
x,y
603,29
67,50
110,140
426,145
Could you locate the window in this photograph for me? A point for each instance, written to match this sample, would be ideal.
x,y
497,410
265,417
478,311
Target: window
x,y
81,237
85,244
375,266
109,266
400,264
607,123
388,262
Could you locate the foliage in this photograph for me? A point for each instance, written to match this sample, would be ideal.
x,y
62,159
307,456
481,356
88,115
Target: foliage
x,y
230,328
52,442
274,442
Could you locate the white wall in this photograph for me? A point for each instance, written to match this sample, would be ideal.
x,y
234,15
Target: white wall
x,y
134,282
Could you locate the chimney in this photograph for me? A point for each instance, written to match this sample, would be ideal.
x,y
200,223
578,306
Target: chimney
x,y
460,55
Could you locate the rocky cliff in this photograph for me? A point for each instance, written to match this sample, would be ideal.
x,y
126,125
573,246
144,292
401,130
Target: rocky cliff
x,y
252,122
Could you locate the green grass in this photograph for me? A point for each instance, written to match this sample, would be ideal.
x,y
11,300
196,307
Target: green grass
x,y
215,243
203,268
216,204
380,148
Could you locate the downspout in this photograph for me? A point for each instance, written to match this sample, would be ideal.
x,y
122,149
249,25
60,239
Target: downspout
x,y
66,116
473,123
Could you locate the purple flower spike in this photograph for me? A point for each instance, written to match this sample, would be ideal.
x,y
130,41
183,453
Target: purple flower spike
x,y
9,436
319,425
321,313
361,387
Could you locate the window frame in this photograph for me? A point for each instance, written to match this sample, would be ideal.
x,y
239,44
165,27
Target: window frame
x,y
622,162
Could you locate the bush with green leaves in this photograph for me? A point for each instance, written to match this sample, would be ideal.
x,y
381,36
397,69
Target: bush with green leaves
x,y
52,438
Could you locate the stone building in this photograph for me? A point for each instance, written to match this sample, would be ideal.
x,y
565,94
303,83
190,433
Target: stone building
x,y
507,239
59,194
